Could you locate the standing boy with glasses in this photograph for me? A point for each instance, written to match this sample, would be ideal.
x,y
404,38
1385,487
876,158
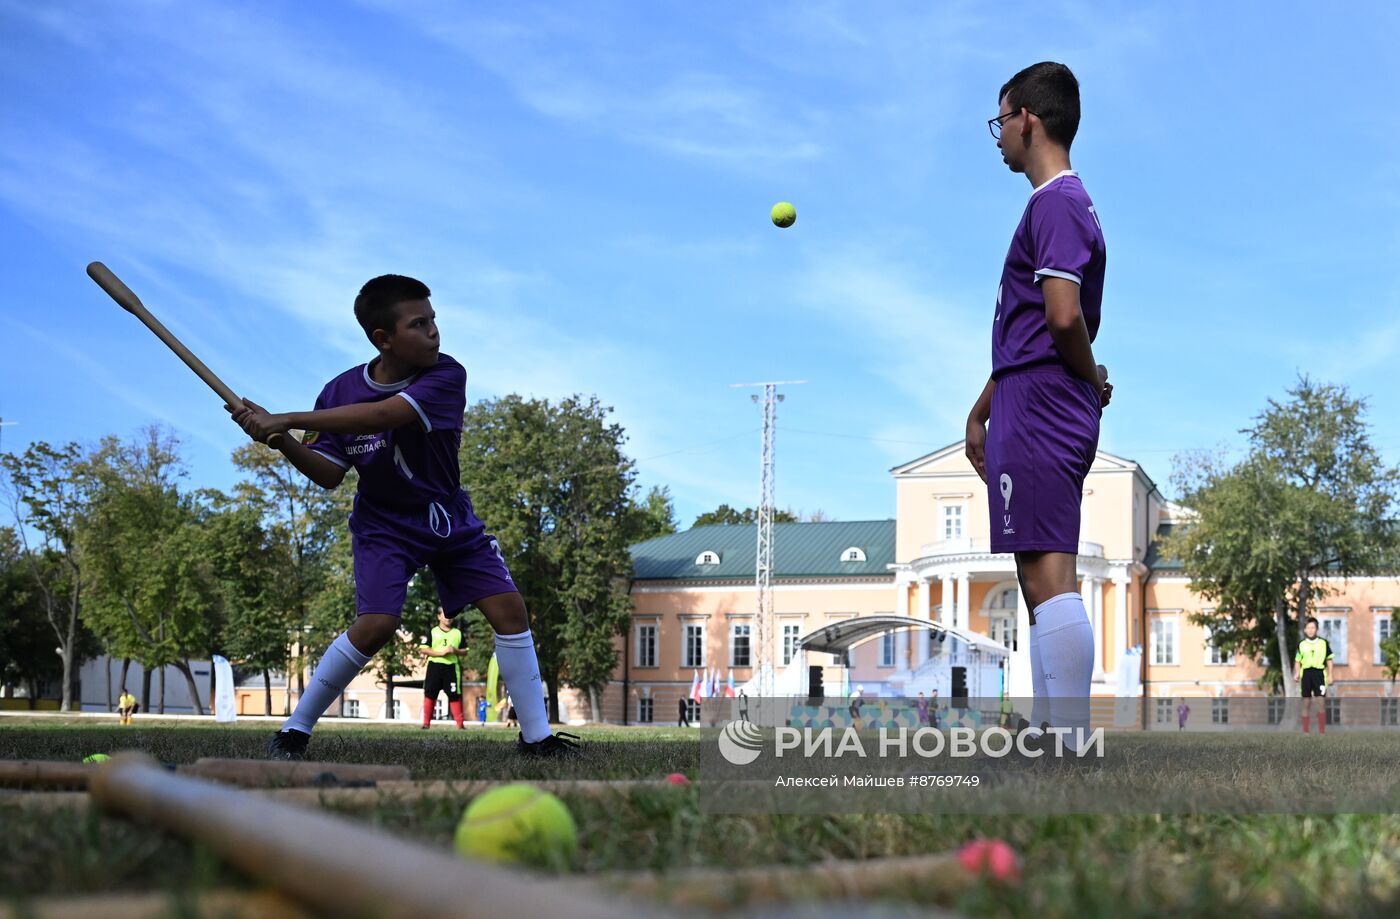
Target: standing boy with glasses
x,y
1046,392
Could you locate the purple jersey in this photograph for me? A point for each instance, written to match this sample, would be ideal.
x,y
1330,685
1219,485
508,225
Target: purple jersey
x,y
410,466
1059,236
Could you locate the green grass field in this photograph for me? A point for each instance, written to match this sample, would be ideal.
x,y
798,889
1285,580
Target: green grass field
x,y
1075,865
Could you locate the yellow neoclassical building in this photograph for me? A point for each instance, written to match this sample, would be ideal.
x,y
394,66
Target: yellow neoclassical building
x,y
694,604
846,593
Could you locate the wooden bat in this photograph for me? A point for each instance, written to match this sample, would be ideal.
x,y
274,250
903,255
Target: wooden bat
x,y
941,874
337,866
133,305
250,773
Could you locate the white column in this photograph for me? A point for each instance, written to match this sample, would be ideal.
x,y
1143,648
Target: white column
x,y
901,641
964,618
947,602
1018,666
1091,591
920,638
1120,616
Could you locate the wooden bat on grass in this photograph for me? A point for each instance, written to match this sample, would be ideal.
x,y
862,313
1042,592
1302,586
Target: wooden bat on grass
x,y
336,866
133,305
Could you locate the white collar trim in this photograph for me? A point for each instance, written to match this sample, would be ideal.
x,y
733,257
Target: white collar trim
x,y
1061,174
386,387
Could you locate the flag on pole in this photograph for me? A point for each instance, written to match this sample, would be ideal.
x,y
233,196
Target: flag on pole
x,y
731,693
709,684
695,687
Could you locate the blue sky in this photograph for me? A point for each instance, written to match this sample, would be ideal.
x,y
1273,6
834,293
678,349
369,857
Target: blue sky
x,y
585,186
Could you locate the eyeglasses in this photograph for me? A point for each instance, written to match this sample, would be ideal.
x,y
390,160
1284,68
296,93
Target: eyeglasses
x,y
996,124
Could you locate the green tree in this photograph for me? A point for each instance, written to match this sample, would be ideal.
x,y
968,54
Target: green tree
x,y
1311,500
724,514
26,638
305,523
48,493
250,567
154,596
1390,646
651,515
551,482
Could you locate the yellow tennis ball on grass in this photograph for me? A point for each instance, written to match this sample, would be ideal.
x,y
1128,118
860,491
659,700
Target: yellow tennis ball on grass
x,y
784,214
95,758
516,822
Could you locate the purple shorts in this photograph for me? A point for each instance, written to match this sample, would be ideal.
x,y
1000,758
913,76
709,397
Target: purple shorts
x,y
392,543
1041,440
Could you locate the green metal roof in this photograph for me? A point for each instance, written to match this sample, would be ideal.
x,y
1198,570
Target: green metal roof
x,y
1155,559
800,550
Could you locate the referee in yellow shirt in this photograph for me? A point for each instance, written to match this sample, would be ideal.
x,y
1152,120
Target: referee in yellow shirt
x,y
444,651
1312,670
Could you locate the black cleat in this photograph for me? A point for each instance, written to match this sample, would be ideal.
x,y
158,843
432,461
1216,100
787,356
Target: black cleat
x,y
288,745
560,744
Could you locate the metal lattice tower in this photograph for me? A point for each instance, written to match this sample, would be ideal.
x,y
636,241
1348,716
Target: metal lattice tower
x,y
762,640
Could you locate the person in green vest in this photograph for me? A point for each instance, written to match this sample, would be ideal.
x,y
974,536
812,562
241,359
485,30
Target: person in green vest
x,y
1312,670
444,651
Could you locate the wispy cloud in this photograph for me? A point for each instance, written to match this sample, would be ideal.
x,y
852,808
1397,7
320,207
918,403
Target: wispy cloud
x,y
577,65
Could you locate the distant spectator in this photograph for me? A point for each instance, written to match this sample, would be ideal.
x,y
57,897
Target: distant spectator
x,y
126,707
1183,711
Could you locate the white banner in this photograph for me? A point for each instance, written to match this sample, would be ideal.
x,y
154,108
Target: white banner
x,y
224,708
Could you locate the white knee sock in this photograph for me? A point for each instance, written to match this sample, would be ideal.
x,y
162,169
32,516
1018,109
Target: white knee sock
x,y
339,665
1066,644
1040,701
515,655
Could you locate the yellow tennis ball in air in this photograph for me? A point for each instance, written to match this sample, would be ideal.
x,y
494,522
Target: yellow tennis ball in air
x,y
516,822
784,214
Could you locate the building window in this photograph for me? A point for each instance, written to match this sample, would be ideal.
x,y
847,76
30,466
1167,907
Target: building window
x,y
440,709
352,708
791,634
644,711
739,645
1164,710
1276,709
1333,707
1219,711
1384,624
1334,629
396,710
1390,712
1164,640
1215,655
693,647
692,711
853,554
1002,617
952,521
1004,630
887,649
646,644
707,558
